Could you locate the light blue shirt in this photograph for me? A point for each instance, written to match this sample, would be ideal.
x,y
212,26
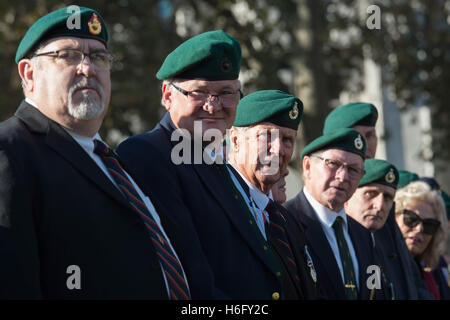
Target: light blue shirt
x,y
327,218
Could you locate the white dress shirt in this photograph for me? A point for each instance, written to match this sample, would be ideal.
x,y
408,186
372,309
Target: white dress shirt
x,y
256,203
327,218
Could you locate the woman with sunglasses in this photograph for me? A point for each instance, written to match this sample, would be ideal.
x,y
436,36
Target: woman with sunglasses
x,y
421,217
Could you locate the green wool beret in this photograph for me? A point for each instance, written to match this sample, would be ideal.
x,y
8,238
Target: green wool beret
x,y
65,22
213,55
406,177
351,114
344,139
379,171
446,199
277,107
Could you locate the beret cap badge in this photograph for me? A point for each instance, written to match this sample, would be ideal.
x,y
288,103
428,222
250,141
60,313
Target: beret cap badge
x,y
293,114
390,176
358,142
95,27
226,65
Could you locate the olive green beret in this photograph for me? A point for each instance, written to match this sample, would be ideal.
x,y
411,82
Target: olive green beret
x,y
57,23
446,199
213,55
406,177
351,114
379,171
344,139
277,107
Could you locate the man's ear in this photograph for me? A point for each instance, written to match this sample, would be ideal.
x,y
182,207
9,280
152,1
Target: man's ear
x,y
234,139
306,164
167,96
26,72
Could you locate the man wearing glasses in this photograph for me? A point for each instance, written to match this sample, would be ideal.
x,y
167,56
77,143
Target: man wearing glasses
x,y
333,165
405,277
73,223
201,89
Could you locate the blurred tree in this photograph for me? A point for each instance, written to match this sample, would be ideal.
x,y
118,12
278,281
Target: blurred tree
x,y
312,48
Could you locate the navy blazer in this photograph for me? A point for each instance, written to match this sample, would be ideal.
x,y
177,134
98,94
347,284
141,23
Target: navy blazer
x,y
58,210
328,274
240,263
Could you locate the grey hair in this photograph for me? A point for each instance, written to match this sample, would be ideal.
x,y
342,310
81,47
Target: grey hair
x,y
421,191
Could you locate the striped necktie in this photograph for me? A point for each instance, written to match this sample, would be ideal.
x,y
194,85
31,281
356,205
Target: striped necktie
x,y
171,266
277,232
346,259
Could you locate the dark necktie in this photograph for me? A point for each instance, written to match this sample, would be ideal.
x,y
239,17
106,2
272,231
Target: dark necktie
x,y
171,266
346,259
277,232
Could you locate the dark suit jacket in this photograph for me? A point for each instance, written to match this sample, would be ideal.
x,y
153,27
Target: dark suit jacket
x,y
400,267
328,276
241,263
58,209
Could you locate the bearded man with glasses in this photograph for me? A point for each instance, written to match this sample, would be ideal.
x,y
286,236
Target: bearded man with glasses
x,y
68,228
341,248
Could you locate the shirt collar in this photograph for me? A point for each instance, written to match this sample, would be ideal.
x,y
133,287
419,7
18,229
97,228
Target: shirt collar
x,y
31,102
86,142
260,198
325,215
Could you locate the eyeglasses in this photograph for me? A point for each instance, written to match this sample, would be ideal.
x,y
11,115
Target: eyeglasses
x,y
196,97
336,165
73,57
411,219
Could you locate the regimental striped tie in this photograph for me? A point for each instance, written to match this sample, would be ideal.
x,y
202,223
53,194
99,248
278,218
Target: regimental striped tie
x,y
171,266
346,259
277,232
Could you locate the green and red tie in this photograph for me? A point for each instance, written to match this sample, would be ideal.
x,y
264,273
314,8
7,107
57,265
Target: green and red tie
x,y
177,286
347,264
277,232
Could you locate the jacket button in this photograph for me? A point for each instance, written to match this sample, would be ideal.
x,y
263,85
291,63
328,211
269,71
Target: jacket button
x,y
266,248
275,296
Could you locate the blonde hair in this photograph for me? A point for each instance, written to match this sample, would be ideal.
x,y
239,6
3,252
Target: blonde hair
x,y
421,191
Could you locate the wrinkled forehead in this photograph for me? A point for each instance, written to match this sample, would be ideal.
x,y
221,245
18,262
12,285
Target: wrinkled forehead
x,y
348,157
269,126
382,188
59,43
208,85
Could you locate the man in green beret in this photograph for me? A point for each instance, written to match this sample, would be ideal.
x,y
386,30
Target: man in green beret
x,y
201,91
262,142
406,177
73,223
370,205
361,116
341,248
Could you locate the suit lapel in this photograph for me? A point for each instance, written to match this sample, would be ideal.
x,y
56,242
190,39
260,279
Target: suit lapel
x,y
63,144
319,244
230,200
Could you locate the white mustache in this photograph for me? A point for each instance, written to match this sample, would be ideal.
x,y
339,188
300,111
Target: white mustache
x,y
86,82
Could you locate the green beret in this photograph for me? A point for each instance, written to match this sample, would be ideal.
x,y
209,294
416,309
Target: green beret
x,y
379,171
277,107
213,55
57,23
351,114
446,199
406,177
344,139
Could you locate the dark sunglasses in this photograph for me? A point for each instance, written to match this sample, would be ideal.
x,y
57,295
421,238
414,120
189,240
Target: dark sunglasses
x,y
411,219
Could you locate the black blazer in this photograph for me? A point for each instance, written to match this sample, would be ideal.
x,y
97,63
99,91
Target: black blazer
x,y
239,260
328,276
58,209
